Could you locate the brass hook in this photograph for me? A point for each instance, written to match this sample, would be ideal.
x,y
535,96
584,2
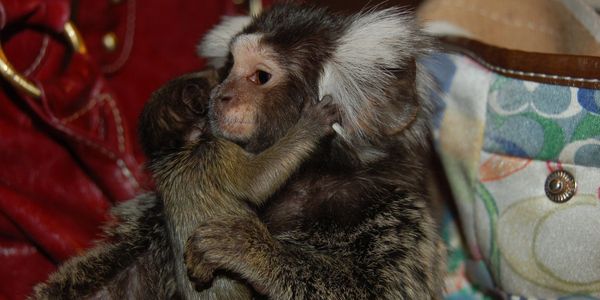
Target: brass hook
x,y
23,84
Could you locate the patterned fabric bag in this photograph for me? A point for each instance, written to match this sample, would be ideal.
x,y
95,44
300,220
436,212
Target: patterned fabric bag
x,y
517,129
521,151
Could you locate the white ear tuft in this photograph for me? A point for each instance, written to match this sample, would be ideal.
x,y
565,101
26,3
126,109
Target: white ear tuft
x,y
360,70
215,45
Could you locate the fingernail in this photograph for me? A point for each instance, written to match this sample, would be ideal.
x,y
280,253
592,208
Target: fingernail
x,y
338,129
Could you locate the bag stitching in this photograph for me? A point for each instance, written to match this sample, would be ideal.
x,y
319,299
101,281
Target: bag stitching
x,y
525,74
38,59
128,45
98,99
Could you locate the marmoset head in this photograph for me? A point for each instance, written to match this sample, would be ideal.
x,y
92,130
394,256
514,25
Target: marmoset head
x,y
292,53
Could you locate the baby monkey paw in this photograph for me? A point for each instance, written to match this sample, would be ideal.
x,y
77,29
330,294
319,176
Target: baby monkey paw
x,y
232,243
322,114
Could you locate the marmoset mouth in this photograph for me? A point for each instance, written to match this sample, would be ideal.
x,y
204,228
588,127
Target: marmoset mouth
x,y
233,121
236,127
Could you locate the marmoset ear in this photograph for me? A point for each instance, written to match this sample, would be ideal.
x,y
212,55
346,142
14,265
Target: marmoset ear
x,y
215,44
364,67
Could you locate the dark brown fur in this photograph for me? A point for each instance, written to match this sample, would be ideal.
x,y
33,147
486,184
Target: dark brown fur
x,y
197,177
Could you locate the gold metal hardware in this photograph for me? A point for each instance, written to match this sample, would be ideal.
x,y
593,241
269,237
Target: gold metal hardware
x,y
560,186
109,41
9,73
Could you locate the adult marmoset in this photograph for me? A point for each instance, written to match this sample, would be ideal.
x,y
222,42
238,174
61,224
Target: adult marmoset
x,y
198,176
354,221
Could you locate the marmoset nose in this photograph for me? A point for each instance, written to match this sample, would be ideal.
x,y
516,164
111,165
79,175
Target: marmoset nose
x,y
224,94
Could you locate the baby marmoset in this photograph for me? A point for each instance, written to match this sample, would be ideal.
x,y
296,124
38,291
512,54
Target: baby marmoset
x,y
198,176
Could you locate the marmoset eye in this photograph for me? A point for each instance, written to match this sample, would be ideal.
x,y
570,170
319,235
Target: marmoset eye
x,y
260,77
263,77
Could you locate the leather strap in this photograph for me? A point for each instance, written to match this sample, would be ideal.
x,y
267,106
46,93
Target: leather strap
x,y
572,70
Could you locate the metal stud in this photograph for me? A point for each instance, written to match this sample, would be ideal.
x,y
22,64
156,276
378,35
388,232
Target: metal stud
x,y
560,186
109,41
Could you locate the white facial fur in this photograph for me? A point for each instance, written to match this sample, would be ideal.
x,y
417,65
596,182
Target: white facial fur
x,y
215,45
358,73
251,55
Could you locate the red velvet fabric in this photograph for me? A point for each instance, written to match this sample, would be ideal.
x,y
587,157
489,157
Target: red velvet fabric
x,y
67,157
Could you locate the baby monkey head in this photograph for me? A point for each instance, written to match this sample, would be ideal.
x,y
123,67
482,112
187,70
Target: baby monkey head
x,y
176,114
